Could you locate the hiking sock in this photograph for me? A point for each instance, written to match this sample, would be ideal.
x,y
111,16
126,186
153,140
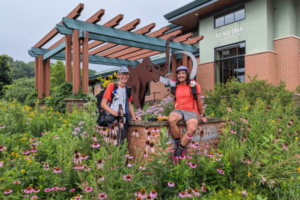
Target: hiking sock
x,y
177,141
179,150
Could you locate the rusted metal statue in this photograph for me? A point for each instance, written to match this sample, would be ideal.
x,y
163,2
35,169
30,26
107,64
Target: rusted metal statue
x,y
145,72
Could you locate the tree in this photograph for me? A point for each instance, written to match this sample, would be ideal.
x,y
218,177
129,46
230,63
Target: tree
x,y
19,90
92,72
20,69
57,74
4,72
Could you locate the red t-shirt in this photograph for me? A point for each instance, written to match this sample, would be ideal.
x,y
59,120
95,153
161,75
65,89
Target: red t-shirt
x,y
109,90
185,99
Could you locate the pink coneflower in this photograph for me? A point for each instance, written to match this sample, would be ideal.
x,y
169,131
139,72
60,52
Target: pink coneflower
x,y
81,166
288,125
95,145
188,163
100,164
219,154
171,184
112,130
62,189
145,155
106,138
249,128
147,145
284,146
46,168
196,146
127,177
77,198
272,184
57,170
55,188
148,135
28,190
33,150
47,190
115,140
2,126
33,139
182,194
218,159
189,157
77,159
211,155
34,197
8,191
152,147
243,160
153,194
155,130
142,167
204,188
85,184
36,190
205,145
87,169
220,170
17,182
135,133
194,166
43,133
229,109
196,192
249,162
190,137
88,189
189,193
83,157
72,190
101,178
246,120
244,193
168,142
233,131
74,133
102,196
143,194
56,137
289,134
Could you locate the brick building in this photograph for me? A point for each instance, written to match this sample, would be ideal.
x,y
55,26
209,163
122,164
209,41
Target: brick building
x,y
241,37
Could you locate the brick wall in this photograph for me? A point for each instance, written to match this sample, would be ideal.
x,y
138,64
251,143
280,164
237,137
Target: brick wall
x,y
206,75
77,102
97,89
264,65
288,60
157,87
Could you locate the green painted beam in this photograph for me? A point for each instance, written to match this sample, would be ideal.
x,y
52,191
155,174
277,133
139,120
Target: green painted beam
x,y
120,35
63,30
59,48
32,54
92,59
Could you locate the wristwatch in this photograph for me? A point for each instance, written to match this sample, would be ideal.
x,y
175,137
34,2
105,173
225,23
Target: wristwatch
x,y
203,115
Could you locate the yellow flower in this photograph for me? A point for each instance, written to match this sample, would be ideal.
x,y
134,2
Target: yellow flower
x,y
246,108
23,170
230,195
299,169
229,190
239,192
251,195
37,100
25,134
296,138
249,174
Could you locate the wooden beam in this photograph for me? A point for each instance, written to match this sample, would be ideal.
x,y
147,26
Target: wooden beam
x,y
36,72
111,23
47,77
74,14
127,27
183,37
194,40
134,49
151,53
85,63
102,33
144,30
68,58
144,51
76,62
59,48
96,17
40,77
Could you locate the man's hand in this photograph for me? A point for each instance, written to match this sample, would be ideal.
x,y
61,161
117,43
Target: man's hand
x,y
136,118
204,120
116,113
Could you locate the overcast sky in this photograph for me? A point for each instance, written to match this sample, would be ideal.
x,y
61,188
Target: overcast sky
x,y
25,22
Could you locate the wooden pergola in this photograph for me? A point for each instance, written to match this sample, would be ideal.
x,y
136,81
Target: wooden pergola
x,y
108,46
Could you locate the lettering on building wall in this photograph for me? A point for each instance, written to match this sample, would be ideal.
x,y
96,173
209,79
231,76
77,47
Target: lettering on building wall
x,y
230,33
208,136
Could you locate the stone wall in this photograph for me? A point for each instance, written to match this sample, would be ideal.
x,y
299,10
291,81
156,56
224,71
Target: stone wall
x,y
206,133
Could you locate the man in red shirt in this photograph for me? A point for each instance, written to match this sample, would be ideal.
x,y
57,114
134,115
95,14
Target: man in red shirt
x,y
186,109
120,99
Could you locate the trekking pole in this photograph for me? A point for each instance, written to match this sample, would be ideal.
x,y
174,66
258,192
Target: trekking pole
x,y
120,129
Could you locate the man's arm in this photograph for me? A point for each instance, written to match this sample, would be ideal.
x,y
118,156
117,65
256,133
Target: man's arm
x,y
200,106
131,112
108,109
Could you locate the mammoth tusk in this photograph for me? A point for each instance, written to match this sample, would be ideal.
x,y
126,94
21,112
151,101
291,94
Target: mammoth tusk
x,y
194,69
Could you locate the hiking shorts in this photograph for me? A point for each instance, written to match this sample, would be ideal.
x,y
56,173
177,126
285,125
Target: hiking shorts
x,y
186,115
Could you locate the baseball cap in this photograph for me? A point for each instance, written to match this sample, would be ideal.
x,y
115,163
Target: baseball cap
x,y
182,68
123,70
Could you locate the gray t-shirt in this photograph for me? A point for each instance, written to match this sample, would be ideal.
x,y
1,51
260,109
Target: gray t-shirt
x,y
121,100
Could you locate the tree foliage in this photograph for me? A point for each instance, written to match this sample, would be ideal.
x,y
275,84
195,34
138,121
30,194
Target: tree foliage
x,y
20,69
19,90
4,72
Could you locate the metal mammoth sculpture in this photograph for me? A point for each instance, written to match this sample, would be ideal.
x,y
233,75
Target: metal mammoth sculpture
x,y
146,71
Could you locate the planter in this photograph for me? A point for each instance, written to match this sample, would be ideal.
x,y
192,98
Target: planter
x,y
206,133
41,104
77,103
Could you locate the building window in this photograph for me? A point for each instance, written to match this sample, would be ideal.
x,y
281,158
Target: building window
x,y
230,62
229,17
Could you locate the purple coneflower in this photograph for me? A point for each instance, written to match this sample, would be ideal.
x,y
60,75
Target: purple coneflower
x,y
218,159
106,138
36,190
153,194
288,125
246,120
243,160
57,170
249,128
62,189
190,137
220,171
249,162
143,193
148,135
55,188
34,197
182,194
233,131
196,146
194,166
33,139
204,188
152,147
2,126
8,191
146,129
189,157
229,109
142,167
196,192
101,178
74,133
100,164
87,169
244,193
85,184
289,134
72,190
171,184
47,190
189,193
88,189
28,190
135,133
145,155
127,177
83,157
280,129
279,118
219,154
17,182
102,196
155,130
95,145
264,181
147,145
284,146
94,138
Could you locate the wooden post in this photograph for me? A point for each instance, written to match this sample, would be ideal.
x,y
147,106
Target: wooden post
x,y
129,68
36,72
184,60
47,77
174,65
68,39
76,61
40,77
85,63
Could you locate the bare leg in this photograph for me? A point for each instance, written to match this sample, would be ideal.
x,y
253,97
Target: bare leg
x,y
191,129
173,119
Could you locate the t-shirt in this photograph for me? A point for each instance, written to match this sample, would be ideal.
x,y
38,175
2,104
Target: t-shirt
x,y
184,98
109,90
